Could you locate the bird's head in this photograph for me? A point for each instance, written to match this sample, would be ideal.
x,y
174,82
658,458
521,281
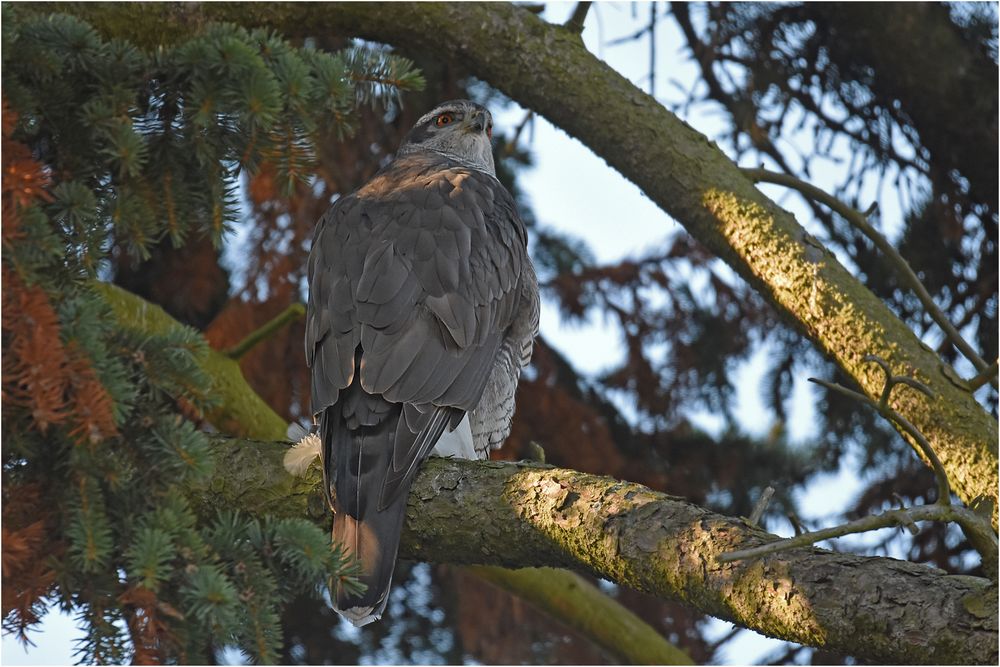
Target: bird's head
x,y
459,129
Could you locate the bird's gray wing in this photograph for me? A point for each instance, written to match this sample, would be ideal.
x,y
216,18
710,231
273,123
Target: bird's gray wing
x,y
422,268
414,280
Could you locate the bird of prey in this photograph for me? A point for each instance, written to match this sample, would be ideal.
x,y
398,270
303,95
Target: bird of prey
x,y
423,306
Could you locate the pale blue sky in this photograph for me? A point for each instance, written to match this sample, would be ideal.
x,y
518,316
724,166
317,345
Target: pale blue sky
x,y
572,189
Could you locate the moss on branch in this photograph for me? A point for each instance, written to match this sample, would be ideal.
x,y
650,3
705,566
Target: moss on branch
x,y
238,409
547,68
527,514
251,478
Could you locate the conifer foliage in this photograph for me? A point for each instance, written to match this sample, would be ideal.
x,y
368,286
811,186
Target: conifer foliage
x,y
108,149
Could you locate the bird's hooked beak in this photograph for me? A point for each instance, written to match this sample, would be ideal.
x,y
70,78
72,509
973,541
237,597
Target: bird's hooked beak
x,y
475,122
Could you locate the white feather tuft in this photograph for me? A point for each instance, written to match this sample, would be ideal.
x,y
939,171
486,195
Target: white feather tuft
x,y
458,443
302,454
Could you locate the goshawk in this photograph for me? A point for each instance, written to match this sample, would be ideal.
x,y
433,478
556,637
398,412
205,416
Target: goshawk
x,y
423,306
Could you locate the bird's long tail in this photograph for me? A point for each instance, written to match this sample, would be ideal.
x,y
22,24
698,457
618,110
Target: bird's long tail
x,y
371,450
374,542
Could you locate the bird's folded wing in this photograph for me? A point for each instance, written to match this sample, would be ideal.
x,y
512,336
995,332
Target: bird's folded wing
x,y
422,268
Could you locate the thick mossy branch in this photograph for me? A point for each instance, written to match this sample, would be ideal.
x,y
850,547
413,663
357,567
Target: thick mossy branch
x,y
520,515
580,605
253,479
860,221
238,409
548,69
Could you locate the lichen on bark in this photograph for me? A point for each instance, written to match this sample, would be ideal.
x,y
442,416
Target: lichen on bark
x,y
530,515
547,68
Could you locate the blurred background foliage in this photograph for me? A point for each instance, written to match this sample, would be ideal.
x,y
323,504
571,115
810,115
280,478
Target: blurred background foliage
x,y
910,90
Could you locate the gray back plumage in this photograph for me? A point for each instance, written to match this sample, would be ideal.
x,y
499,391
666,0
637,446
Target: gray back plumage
x,y
422,308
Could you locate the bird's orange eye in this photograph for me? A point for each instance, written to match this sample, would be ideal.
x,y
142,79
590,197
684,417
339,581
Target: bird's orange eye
x,y
444,119
489,131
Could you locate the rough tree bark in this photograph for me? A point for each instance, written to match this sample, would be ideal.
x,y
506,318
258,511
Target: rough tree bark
x,y
903,612
238,410
519,515
528,514
547,68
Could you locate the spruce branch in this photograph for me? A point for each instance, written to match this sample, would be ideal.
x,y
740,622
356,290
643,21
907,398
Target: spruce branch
x,y
287,316
238,409
860,221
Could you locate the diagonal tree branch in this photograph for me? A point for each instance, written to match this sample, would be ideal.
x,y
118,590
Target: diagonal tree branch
x,y
548,69
582,606
528,514
254,338
860,221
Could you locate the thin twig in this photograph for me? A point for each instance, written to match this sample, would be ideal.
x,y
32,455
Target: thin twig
x,y
290,314
652,49
978,530
944,488
796,523
987,375
575,22
512,144
858,220
758,509
969,521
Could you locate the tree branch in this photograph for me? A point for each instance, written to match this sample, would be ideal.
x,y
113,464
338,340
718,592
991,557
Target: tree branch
x,y
263,489
575,22
526,514
290,314
546,68
903,270
882,407
988,375
892,518
582,606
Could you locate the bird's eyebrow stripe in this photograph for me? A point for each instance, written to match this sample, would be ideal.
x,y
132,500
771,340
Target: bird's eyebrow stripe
x,y
437,112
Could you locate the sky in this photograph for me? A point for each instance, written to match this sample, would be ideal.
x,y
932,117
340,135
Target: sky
x,y
618,222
